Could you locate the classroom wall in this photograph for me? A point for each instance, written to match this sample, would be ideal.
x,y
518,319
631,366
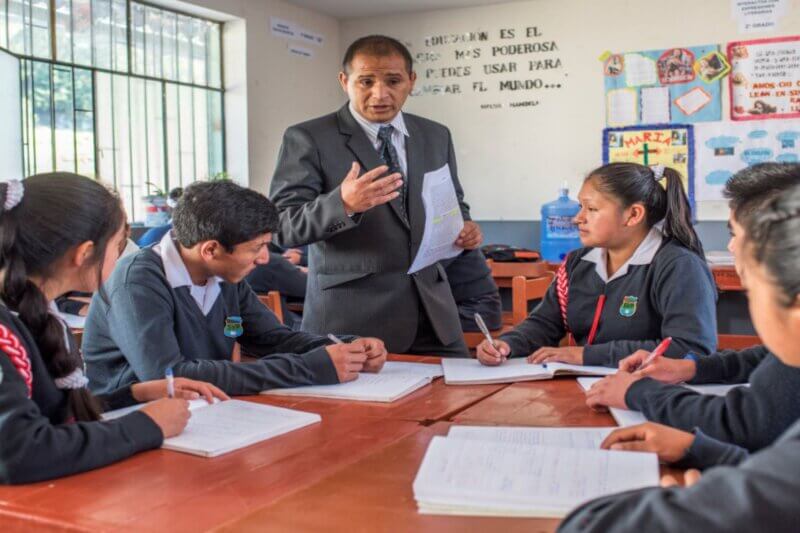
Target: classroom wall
x,y
511,160
268,88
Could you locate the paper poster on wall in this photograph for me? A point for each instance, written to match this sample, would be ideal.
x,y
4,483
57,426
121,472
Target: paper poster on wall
x,y
674,85
723,148
758,15
671,145
765,78
621,107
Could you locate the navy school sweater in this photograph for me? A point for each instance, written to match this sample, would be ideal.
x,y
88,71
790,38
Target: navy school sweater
x,y
146,326
675,297
749,417
758,495
39,443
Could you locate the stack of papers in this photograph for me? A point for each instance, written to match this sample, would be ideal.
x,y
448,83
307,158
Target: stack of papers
x,y
222,427
395,380
472,372
528,472
626,417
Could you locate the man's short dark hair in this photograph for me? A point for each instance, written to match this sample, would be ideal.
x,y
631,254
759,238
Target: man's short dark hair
x,y
222,211
377,46
754,186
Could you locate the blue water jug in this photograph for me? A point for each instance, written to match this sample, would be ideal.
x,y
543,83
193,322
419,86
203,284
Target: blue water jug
x,y
559,233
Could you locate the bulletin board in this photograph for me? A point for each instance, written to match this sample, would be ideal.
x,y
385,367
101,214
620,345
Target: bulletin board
x,y
765,78
671,145
675,85
724,148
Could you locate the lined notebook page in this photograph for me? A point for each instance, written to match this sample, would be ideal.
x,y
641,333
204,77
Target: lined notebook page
x,y
463,371
394,381
582,438
584,370
461,476
233,424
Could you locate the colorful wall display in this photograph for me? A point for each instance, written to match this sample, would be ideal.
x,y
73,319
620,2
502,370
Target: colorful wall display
x,y
670,145
765,78
724,148
677,85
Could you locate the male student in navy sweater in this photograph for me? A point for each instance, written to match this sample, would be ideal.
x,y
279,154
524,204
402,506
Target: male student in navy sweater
x,y
169,305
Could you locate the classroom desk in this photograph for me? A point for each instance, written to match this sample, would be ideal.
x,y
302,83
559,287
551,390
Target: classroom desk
x,y
351,472
555,402
429,404
374,494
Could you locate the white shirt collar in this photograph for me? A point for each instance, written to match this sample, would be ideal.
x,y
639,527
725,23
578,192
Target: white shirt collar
x,y
178,276
642,256
371,128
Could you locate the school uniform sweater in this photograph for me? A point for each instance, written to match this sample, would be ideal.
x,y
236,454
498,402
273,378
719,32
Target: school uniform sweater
x,y
38,440
751,417
758,495
664,290
145,325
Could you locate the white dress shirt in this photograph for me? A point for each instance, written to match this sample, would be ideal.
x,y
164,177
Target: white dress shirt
x,y
642,256
399,134
178,276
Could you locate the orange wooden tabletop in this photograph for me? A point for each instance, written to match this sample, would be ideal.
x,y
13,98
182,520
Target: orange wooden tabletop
x,y
556,402
374,494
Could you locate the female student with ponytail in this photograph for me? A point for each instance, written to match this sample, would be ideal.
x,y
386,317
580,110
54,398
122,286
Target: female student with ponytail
x,y
59,233
640,279
760,492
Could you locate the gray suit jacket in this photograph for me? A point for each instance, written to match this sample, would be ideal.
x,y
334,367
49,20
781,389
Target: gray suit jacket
x,y
357,280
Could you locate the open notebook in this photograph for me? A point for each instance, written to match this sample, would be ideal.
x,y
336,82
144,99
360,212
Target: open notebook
x,y
488,477
222,427
472,372
395,380
626,417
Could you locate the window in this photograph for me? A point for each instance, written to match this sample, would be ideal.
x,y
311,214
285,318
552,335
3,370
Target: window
x,y
124,91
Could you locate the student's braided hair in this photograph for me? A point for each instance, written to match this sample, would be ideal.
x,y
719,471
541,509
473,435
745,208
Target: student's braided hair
x,y
57,212
772,236
632,183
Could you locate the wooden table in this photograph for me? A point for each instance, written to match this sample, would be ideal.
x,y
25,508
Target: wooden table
x,y
351,472
374,494
556,402
429,404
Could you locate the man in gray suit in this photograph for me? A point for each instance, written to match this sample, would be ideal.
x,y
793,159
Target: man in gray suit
x,y
365,228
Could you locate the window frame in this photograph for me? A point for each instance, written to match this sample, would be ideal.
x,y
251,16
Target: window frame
x,y
28,61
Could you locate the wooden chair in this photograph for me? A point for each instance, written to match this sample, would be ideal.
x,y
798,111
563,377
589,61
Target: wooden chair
x,y
474,338
524,290
736,342
273,301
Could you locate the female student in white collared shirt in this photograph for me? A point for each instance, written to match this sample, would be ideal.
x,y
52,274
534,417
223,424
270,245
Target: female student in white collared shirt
x,y
641,278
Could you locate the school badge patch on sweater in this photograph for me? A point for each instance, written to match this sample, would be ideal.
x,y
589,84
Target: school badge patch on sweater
x,y
628,307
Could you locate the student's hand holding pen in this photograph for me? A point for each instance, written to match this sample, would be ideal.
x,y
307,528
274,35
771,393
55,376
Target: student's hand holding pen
x,y
348,359
375,351
661,369
493,353
185,388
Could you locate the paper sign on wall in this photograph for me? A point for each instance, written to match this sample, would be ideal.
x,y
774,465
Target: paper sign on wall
x,y
670,145
758,15
724,148
765,78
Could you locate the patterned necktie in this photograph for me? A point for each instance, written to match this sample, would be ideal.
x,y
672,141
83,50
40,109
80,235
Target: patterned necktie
x,y
388,154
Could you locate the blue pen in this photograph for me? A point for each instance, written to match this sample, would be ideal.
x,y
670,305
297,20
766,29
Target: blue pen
x,y
170,383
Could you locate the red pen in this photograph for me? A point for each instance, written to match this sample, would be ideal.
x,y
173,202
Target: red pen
x,y
658,352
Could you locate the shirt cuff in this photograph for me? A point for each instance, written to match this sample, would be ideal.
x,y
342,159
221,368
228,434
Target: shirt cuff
x,y
634,397
705,452
323,371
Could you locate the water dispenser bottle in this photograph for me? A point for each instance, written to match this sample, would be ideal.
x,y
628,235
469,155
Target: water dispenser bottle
x,y
559,232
